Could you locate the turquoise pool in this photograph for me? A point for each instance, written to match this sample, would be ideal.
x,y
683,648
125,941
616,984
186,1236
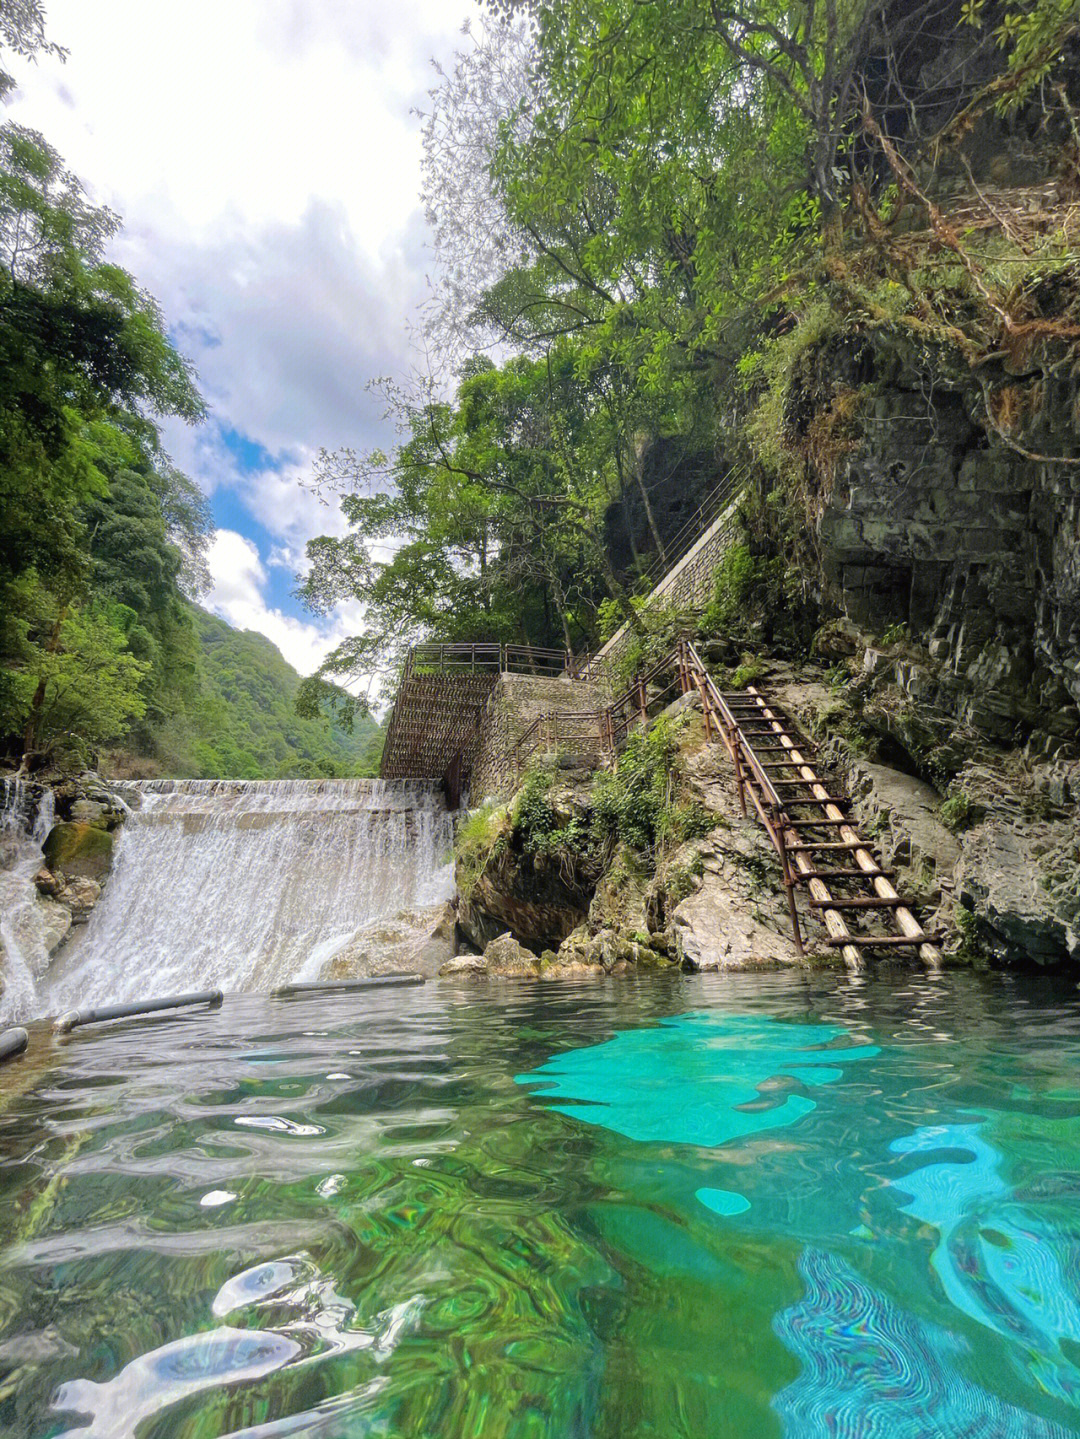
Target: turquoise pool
x,y
731,1206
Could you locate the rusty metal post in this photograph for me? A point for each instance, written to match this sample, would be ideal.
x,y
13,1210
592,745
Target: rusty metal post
x,y
780,826
643,703
706,712
736,753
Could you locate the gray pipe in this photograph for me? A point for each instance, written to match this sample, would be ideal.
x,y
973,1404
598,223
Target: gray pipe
x,y
344,986
76,1017
12,1042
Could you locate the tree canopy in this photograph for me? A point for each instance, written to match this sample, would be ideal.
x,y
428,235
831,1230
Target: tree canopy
x,y
635,207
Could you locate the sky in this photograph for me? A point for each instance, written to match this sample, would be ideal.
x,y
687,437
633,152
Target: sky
x,y
265,160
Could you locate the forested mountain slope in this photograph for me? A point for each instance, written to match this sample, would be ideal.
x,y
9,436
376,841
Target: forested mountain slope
x,y
241,719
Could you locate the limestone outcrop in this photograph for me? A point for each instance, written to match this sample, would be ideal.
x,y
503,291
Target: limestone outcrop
x,y
539,898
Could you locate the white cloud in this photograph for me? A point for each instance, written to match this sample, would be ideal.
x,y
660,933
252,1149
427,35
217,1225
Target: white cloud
x,y
238,595
266,166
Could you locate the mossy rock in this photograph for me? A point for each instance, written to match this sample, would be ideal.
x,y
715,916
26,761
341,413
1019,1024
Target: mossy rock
x,y
80,850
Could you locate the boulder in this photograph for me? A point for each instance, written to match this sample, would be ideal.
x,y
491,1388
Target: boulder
x,y
464,966
79,896
503,958
415,940
90,811
531,896
79,850
54,922
48,883
735,919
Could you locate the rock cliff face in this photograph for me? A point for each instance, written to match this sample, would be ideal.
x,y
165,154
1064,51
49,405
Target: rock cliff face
x,y
944,518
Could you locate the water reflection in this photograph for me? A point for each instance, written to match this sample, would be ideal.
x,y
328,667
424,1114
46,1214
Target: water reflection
x,y
826,1209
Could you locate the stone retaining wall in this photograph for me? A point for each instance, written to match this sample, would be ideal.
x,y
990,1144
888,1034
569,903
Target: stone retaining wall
x,y
515,702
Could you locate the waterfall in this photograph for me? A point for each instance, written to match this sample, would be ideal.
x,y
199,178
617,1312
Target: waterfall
x,y
245,884
24,947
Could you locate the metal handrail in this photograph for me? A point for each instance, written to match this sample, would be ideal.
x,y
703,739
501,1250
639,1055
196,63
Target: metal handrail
x,y
688,534
731,723
488,657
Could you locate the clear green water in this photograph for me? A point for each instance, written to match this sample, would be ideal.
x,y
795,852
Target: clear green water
x,y
739,1206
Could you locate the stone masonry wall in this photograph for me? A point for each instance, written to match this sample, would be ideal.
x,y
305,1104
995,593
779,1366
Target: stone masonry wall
x,y
515,702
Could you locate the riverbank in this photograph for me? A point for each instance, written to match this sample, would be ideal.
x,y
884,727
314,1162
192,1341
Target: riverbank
x,y
547,885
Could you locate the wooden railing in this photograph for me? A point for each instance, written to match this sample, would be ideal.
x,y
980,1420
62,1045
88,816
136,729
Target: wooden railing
x,y
604,731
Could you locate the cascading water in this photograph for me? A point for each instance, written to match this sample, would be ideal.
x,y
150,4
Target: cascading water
x,y
25,820
243,885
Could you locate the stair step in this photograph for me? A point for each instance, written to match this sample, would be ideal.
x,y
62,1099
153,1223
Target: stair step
x,y
805,822
860,902
793,799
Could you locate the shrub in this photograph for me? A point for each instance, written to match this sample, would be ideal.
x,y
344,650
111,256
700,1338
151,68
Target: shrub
x,y
956,811
639,803
477,839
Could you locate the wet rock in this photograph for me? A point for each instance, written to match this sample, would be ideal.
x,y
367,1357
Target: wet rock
x,y
504,958
10,850
418,941
79,850
464,966
48,883
90,811
79,896
54,921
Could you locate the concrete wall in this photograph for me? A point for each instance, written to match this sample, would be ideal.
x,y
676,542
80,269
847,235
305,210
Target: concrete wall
x,y
689,584
515,702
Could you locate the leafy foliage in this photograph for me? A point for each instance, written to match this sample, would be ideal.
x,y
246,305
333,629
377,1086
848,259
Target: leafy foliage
x,y
640,803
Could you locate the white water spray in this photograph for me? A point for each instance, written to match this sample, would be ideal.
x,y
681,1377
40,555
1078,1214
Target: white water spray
x,y
24,947
244,885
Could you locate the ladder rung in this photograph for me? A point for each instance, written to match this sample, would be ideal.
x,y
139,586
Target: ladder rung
x,y
840,873
803,848
793,799
873,941
783,748
805,822
860,902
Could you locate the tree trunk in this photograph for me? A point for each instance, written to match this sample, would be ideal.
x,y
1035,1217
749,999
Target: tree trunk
x,y
636,467
33,718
